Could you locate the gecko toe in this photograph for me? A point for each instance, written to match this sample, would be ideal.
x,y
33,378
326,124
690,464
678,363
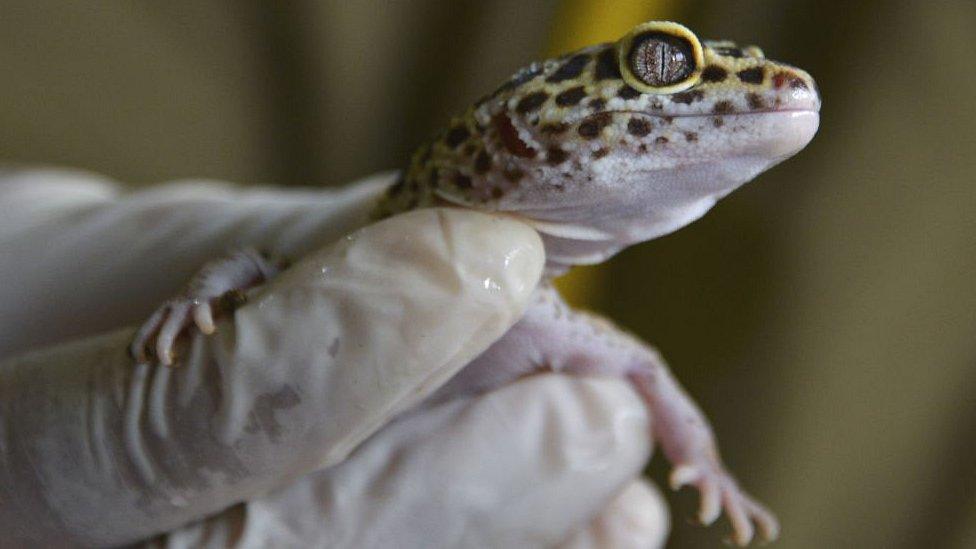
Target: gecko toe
x,y
742,529
765,521
711,504
683,475
175,322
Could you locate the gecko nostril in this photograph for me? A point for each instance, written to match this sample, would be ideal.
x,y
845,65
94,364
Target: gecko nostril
x,y
791,79
796,90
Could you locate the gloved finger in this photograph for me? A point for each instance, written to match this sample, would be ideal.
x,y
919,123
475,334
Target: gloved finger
x,y
99,451
636,519
92,257
523,466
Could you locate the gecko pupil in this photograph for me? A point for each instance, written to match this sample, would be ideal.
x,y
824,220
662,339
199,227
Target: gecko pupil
x,y
661,59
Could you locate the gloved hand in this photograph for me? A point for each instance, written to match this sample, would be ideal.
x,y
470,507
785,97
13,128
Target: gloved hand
x,y
292,425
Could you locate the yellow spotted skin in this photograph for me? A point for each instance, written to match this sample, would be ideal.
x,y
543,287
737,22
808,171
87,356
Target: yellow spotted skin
x,y
553,119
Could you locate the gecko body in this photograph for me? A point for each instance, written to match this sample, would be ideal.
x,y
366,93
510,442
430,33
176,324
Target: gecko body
x,y
599,149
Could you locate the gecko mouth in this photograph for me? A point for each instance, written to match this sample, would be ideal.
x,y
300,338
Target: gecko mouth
x,y
691,116
774,133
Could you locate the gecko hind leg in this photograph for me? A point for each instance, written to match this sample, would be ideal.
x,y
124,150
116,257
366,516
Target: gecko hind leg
x,y
689,445
551,335
218,288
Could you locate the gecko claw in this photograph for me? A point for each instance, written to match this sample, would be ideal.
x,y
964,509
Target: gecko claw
x,y
203,317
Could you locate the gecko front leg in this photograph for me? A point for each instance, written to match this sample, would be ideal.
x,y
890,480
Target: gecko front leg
x,y
216,289
552,336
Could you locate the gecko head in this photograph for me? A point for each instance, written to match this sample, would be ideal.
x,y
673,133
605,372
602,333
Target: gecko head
x,y
621,142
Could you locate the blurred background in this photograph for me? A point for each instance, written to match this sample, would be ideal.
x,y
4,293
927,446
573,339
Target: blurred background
x,y
823,316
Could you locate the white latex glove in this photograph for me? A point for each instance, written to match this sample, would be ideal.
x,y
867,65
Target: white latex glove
x,y
290,407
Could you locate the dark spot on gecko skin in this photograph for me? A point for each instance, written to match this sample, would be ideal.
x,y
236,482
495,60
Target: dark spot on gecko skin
x,y
597,104
531,102
513,174
798,84
571,96
627,92
554,129
691,137
469,149
723,107
600,153
592,127
718,122
497,193
638,127
555,156
713,73
657,105
510,138
754,75
755,101
729,51
482,162
456,136
570,69
642,148
462,181
668,119
661,140
688,97
606,65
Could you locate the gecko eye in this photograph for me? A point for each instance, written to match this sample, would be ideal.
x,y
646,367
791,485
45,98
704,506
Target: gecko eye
x,y
660,57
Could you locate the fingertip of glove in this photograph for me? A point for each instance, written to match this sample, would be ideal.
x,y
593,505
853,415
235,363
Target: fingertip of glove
x,y
637,517
497,255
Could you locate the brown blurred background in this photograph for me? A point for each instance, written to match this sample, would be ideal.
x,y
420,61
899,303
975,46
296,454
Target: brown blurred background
x,y
824,316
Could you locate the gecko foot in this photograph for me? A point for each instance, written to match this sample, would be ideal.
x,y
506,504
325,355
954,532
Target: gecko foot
x,y
218,289
719,491
157,336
